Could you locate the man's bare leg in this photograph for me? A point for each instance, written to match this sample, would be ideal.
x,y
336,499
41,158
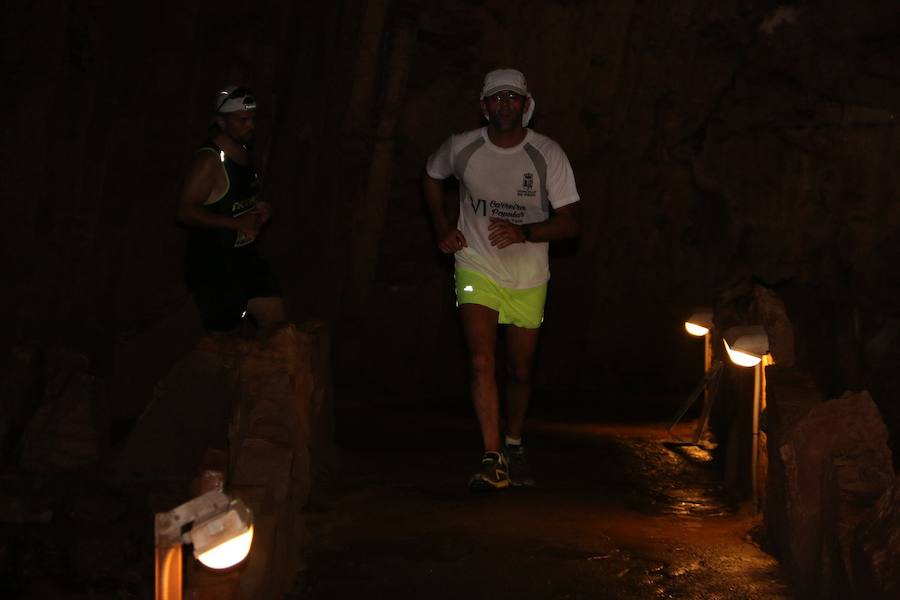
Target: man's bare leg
x,y
480,329
269,313
521,344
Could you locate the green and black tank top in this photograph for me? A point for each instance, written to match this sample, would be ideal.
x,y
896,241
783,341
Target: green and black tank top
x,y
211,251
241,190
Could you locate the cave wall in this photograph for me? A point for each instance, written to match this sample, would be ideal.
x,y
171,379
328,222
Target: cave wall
x,y
712,142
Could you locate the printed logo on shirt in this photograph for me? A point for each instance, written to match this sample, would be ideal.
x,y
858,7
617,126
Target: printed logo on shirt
x,y
527,186
241,206
508,211
237,209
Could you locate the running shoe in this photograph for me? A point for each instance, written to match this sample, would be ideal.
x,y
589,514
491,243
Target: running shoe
x,y
493,474
519,473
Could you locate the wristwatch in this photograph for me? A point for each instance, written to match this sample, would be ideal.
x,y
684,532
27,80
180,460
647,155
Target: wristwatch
x,y
526,231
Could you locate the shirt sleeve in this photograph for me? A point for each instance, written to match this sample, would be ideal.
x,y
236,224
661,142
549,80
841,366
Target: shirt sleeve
x,y
561,188
440,164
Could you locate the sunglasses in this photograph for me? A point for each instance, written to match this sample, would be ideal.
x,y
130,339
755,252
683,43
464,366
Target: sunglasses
x,y
505,95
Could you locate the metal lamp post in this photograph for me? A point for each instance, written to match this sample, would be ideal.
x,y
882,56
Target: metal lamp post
x,y
749,347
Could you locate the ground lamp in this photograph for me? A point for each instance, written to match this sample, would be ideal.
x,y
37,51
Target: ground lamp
x,y
221,530
700,324
749,347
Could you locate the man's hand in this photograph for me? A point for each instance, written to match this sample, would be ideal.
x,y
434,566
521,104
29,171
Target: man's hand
x,y
452,241
247,225
263,212
504,233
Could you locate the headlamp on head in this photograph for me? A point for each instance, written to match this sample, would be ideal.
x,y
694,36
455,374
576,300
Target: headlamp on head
x,y
233,99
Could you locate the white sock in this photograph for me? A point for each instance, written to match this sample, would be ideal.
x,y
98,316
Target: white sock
x,y
513,441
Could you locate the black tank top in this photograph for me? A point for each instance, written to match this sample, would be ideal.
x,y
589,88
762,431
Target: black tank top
x,y
210,251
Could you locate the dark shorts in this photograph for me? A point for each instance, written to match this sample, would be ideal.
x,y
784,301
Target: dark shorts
x,y
223,286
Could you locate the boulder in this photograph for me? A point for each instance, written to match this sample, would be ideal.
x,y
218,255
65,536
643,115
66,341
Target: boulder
x,y
21,391
144,357
876,548
188,415
836,465
66,432
790,394
772,314
281,449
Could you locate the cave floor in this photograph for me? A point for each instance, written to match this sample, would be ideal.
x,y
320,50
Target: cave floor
x,y
616,513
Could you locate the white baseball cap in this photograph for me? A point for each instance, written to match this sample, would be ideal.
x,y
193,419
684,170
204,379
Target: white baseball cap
x,y
233,98
511,80
504,80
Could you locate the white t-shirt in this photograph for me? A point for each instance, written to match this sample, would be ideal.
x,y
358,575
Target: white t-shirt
x,y
517,184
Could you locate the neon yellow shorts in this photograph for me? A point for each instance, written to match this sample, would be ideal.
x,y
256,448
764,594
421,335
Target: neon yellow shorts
x,y
522,308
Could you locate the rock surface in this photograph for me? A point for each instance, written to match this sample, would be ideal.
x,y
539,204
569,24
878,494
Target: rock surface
x,y
836,466
749,140
876,548
189,414
743,139
281,449
69,430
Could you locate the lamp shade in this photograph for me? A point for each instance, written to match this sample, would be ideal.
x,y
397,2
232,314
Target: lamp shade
x,y
700,322
746,345
224,539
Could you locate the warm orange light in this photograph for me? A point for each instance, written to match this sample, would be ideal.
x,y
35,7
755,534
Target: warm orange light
x,y
228,553
221,532
741,358
695,329
700,322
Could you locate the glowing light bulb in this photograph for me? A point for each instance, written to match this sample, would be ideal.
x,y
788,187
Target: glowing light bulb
x,y
228,553
741,358
694,329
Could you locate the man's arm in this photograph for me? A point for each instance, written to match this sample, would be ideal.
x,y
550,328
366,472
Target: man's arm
x,y
195,190
565,223
450,239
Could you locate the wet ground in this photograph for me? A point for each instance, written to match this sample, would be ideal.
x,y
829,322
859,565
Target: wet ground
x,y
616,513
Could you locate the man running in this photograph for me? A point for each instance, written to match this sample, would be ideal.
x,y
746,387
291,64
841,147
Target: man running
x,y
218,204
517,193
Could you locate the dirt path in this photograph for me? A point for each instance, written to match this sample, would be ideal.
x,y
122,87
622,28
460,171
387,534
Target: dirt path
x,y
616,514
